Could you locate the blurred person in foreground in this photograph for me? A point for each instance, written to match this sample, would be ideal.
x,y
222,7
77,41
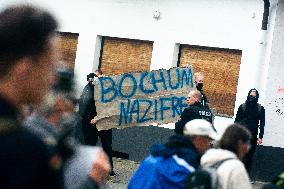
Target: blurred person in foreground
x,y
169,164
28,46
195,110
252,115
234,145
57,124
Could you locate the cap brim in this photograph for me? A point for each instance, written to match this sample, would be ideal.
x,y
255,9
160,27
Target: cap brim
x,y
215,136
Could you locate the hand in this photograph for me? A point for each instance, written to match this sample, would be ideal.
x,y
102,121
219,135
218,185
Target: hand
x,y
259,141
101,168
93,121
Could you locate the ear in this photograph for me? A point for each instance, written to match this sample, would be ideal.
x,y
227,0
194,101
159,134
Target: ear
x,y
22,69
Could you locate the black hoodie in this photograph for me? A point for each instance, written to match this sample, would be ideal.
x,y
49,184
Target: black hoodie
x,y
252,115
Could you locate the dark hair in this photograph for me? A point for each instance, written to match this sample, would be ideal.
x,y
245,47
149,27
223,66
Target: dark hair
x,y
90,75
24,32
64,80
233,135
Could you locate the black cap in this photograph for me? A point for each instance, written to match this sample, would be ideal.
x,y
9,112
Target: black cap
x,y
90,75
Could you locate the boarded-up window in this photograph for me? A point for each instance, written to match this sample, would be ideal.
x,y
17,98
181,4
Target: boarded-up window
x,y
125,55
68,48
221,72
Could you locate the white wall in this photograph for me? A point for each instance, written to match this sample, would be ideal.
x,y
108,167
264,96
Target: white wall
x,y
275,85
234,24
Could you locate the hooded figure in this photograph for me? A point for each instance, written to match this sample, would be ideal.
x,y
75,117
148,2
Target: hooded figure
x,y
252,115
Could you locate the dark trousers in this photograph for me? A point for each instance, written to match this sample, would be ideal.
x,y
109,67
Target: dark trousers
x,y
91,135
249,156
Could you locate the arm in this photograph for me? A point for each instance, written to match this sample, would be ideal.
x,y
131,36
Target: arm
x,y
181,122
261,125
239,115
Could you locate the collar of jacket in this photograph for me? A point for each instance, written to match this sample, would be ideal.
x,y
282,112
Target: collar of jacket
x,y
198,104
180,146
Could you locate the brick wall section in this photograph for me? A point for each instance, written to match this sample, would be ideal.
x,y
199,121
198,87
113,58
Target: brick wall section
x,y
125,55
221,72
68,48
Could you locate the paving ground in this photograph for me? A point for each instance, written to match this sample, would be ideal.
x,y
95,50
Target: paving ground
x,y
125,169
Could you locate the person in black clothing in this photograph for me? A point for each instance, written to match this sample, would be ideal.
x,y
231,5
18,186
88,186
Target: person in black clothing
x,y
252,115
199,86
27,55
195,111
87,110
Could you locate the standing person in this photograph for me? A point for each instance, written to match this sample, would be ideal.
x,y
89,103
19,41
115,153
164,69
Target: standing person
x,y
169,164
28,46
87,110
199,87
195,111
56,124
252,115
234,144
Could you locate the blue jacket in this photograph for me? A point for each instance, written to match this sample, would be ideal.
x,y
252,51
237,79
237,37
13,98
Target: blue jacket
x,y
168,165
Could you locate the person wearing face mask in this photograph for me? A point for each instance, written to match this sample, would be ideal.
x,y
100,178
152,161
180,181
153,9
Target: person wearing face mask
x,y
252,115
87,110
199,87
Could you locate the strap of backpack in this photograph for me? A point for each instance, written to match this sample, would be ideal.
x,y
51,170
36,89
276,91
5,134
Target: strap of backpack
x,y
216,165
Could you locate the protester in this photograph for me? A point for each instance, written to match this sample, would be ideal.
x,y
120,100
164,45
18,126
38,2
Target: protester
x,y
198,76
194,111
87,110
169,164
252,115
27,53
57,124
234,144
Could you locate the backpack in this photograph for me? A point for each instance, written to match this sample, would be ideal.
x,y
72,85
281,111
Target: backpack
x,y
204,178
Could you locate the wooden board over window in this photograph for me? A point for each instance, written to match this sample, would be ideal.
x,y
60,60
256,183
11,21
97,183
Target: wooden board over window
x,y
221,72
125,55
68,48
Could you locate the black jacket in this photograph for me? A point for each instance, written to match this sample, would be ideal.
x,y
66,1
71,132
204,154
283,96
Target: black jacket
x,y
24,159
195,111
252,116
87,105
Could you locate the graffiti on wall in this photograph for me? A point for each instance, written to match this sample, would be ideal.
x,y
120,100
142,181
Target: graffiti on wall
x,y
279,106
280,90
143,98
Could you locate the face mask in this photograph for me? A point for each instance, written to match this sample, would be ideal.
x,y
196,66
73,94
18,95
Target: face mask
x,y
252,99
199,86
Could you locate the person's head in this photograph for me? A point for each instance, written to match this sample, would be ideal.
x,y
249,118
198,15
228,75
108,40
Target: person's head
x,y
90,78
193,97
236,138
98,73
198,79
201,134
27,53
253,96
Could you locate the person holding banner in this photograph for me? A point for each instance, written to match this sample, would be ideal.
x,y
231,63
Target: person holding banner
x,y
87,110
195,111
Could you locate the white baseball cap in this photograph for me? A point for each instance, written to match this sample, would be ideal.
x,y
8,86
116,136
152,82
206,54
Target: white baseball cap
x,y
200,127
